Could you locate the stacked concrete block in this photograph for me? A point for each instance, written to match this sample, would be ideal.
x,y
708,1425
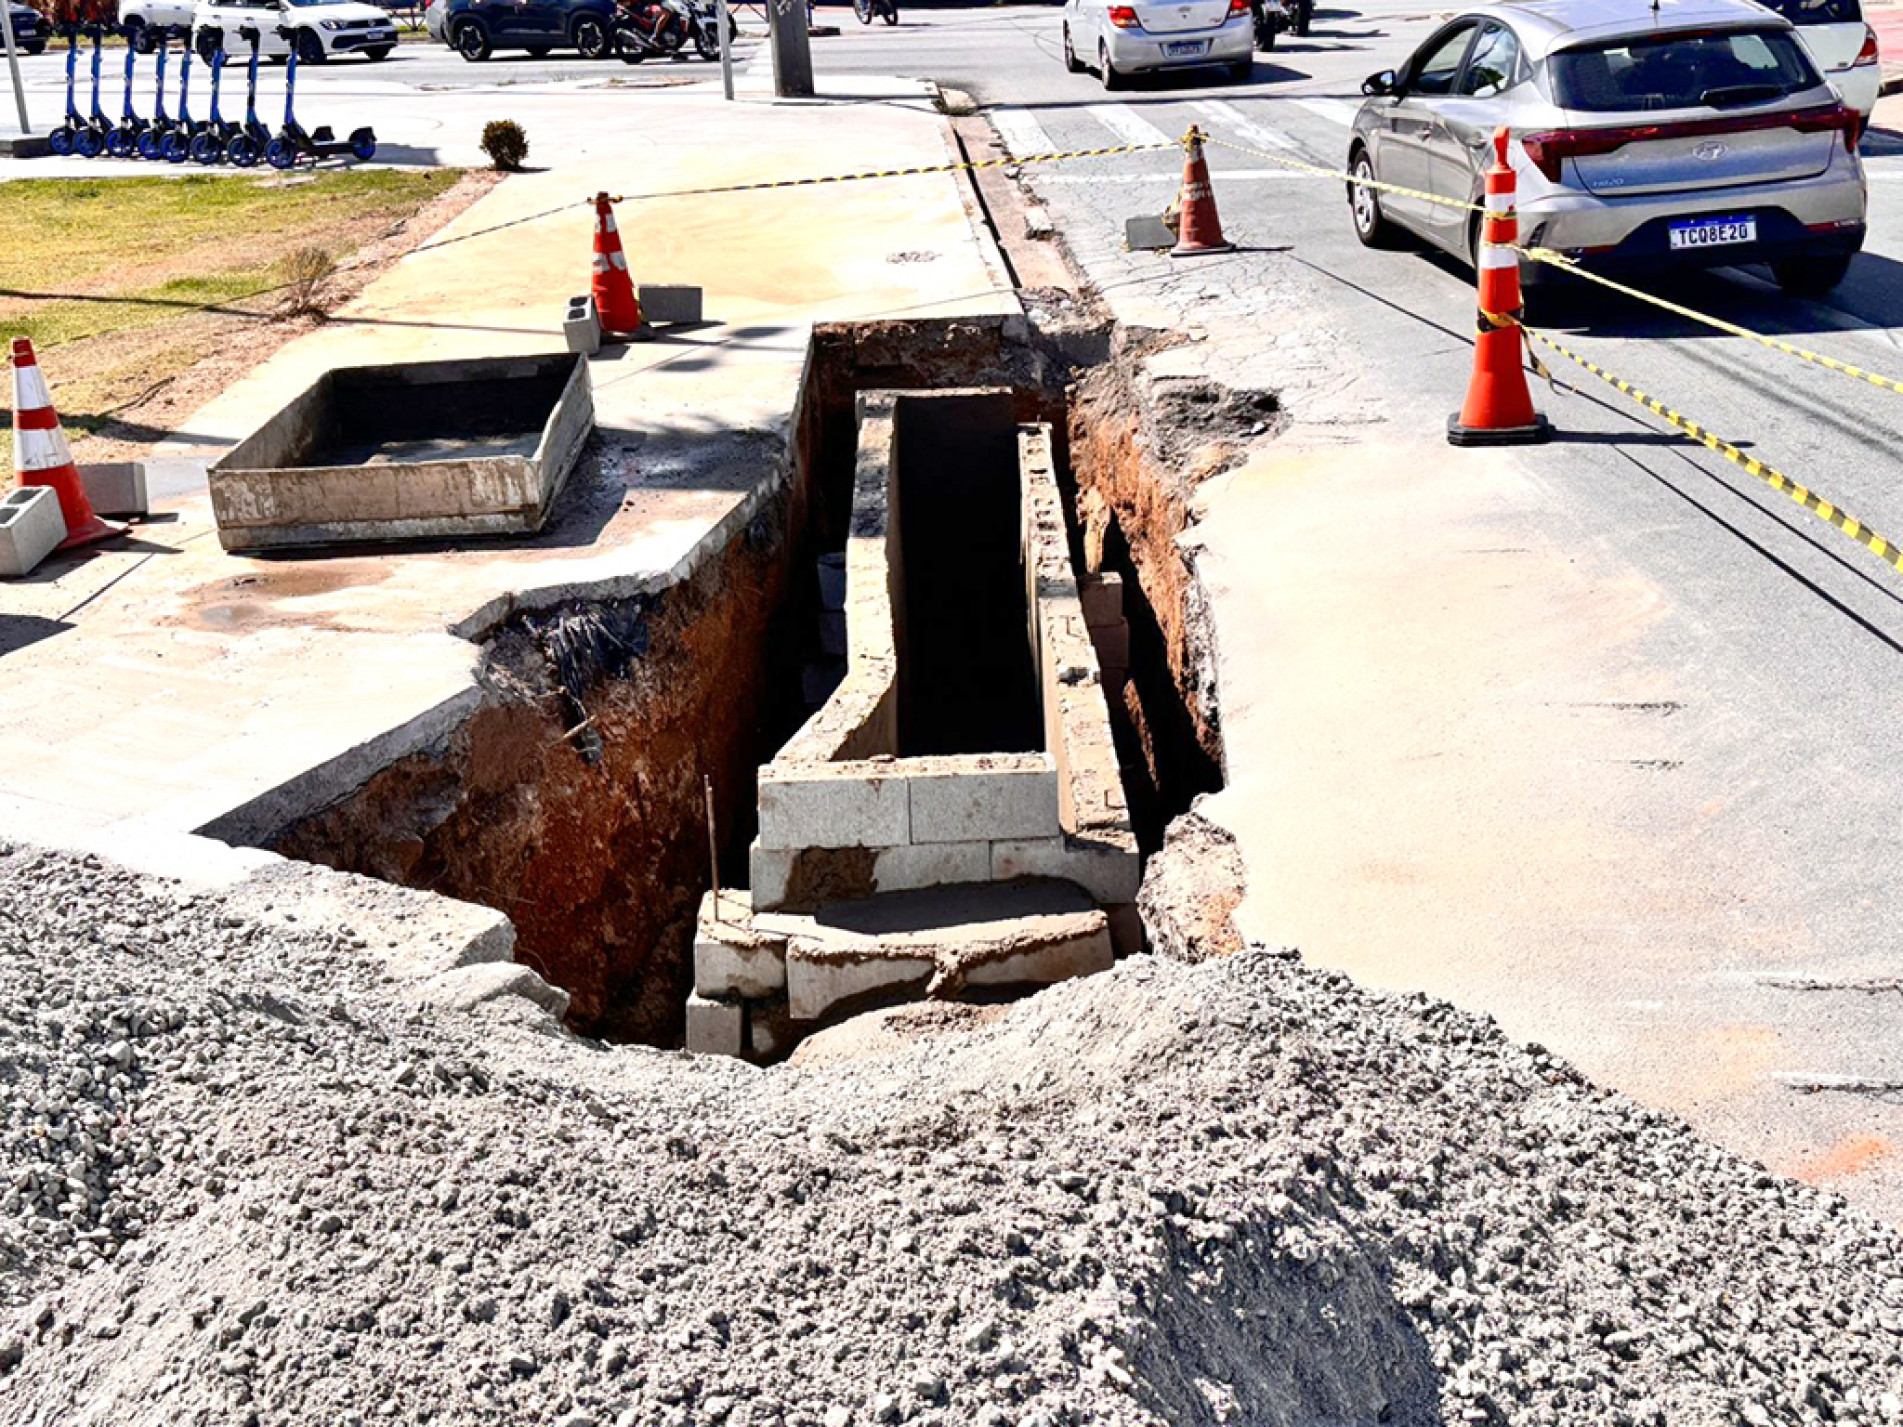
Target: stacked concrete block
x,y
31,528
669,304
739,1002
116,488
715,1027
1102,597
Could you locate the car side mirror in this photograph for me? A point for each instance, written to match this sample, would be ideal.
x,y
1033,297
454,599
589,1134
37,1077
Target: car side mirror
x,y
1386,82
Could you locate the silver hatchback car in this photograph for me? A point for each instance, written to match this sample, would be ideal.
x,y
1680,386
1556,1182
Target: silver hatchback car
x,y
1693,133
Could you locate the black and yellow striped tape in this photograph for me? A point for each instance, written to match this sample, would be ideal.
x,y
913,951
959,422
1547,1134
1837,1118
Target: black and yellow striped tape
x,y
1881,546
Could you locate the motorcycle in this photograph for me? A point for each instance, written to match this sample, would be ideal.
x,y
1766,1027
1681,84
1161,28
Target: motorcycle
x,y
866,9
1272,17
665,27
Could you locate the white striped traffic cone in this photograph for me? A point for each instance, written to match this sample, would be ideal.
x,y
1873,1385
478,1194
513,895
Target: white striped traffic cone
x,y
41,456
616,302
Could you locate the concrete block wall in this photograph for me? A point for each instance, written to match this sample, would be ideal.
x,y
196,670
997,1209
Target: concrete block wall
x,y
842,816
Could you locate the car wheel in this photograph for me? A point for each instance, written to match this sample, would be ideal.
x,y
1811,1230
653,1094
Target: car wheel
x,y
376,52
1071,62
310,49
1364,205
472,41
140,35
1106,71
591,38
206,45
1810,277
538,51
38,47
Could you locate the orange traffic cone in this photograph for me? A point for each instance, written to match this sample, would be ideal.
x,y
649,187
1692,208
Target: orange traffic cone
x,y
41,456
1499,409
1198,228
615,302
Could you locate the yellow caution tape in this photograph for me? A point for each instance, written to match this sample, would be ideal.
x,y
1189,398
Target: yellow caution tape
x,y
1566,264
965,167
1888,550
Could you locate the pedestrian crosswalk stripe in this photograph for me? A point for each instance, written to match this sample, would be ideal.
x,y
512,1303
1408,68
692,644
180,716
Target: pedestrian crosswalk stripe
x,y
1127,124
1335,111
1021,132
1234,118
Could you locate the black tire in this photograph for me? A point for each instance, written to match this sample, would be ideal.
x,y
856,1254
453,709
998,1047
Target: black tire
x,y
139,35
627,46
37,47
891,12
1303,18
310,49
1242,71
206,44
1265,36
1372,227
377,52
1106,71
1071,62
590,37
1812,276
538,51
863,9
471,40
707,43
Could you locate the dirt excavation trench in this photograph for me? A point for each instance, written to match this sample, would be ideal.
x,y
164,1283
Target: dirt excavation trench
x,y
572,799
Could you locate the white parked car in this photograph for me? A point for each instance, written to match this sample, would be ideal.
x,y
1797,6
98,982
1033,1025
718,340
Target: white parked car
x,y
321,28
1844,47
1121,39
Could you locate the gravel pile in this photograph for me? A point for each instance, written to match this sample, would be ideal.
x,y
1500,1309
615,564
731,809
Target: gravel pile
x,y
250,1178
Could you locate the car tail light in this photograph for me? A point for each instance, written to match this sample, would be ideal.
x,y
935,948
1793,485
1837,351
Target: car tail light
x,y
1124,18
1239,8
1549,150
1868,54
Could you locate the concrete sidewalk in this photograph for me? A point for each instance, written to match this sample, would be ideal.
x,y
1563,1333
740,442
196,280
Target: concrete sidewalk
x,y
164,682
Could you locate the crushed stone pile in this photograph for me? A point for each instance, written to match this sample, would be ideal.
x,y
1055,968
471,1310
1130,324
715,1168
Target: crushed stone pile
x,y
249,1178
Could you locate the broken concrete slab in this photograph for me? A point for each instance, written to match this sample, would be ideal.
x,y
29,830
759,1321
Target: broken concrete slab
x,y
733,958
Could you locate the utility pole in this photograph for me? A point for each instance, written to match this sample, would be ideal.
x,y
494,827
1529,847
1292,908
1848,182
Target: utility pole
x,y
726,48
19,92
792,50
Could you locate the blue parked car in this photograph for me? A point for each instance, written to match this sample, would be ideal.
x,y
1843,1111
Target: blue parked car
x,y
476,29
30,31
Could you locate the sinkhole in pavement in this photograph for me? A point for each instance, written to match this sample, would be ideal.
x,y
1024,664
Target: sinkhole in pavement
x,y
573,796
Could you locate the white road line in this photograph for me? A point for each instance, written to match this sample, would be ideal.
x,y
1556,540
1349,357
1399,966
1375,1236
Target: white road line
x,y
1166,180
1126,124
1021,132
1335,111
1230,122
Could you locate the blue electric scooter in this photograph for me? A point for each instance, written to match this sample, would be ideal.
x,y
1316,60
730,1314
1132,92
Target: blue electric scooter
x,y
64,139
151,143
177,145
217,132
91,140
246,146
123,142
292,143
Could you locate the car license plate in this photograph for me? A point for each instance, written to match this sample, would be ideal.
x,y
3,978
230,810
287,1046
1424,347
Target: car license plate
x,y
1713,232
1184,47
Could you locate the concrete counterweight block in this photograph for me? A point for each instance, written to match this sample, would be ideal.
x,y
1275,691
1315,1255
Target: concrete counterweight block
x,y
731,956
30,527
117,488
667,304
582,325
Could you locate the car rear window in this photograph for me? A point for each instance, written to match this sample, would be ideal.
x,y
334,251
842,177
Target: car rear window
x,y
1817,12
1724,69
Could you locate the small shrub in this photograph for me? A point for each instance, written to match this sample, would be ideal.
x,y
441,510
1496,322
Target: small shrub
x,y
305,272
505,143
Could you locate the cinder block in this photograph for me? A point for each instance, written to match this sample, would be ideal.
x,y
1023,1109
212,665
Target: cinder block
x,y
662,303
832,580
116,488
836,805
1102,598
581,325
1110,874
1048,963
731,957
715,1027
31,526
770,870
1113,644
931,864
815,986
984,806
832,632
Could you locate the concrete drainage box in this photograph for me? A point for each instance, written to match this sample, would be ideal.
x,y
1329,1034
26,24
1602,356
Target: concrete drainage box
x,y
418,450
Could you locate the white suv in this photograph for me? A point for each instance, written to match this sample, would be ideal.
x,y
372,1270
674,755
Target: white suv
x,y
321,28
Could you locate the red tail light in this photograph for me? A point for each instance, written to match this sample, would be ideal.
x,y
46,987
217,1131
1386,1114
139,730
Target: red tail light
x,y
1550,150
1868,54
1239,8
1124,18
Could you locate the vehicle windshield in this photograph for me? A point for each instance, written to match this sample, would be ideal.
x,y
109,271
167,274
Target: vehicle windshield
x,y
1717,69
1817,12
